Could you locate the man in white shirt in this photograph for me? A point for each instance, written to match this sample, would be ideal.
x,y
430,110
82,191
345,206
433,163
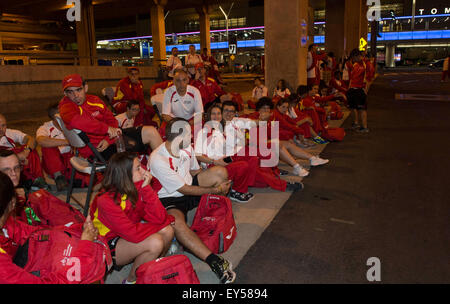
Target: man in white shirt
x,y
181,100
191,60
23,145
126,119
173,62
183,183
56,150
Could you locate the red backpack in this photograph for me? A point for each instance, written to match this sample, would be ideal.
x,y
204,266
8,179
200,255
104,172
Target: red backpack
x,y
50,251
174,269
333,134
214,222
45,209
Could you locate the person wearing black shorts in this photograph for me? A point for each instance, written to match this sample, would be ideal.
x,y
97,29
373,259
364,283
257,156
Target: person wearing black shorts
x,y
357,92
174,165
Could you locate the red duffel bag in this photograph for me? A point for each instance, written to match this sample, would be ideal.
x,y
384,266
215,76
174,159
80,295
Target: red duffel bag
x,y
174,269
60,251
214,222
43,208
333,134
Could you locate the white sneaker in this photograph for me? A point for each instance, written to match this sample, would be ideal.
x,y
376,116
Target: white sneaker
x,y
299,171
317,161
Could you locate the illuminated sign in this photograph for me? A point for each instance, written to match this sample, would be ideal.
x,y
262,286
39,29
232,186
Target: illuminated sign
x,y
434,11
362,44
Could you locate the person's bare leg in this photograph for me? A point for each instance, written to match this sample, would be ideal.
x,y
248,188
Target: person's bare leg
x,y
355,117
186,237
151,136
294,150
167,234
286,156
212,177
363,114
147,250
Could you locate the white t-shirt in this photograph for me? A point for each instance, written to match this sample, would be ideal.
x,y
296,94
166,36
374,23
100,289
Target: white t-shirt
x,y
235,134
280,93
211,144
124,121
259,92
193,59
11,138
48,129
182,106
309,62
173,63
172,172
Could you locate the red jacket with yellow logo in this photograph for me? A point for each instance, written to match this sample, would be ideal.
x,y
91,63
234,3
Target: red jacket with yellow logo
x,y
92,117
122,219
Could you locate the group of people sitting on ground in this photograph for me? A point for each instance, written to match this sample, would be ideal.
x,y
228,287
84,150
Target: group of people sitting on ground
x,y
147,190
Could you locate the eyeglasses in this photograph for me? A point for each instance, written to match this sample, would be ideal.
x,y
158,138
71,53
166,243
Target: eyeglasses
x,y
8,171
229,111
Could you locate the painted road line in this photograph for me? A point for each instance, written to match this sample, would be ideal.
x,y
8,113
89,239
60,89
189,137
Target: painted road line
x,y
422,97
342,221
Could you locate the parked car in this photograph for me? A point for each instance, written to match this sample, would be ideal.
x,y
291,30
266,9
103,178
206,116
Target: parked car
x,y
437,64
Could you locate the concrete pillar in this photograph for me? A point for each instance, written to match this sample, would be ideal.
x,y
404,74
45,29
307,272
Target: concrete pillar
x,y
87,44
355,25
285,54
310,21
158,32
389,56
1,43
334,27
205,35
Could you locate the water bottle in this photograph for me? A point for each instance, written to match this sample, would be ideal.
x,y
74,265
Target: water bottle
x,y
120,144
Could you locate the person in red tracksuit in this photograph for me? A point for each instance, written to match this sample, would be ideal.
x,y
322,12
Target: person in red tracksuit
x,y
357,92
23,145
129,214
88,113
131,88
14,233
308,106
160,85
210,90
288,151
312,69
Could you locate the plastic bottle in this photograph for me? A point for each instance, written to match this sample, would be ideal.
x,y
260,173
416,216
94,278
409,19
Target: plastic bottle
x,y
120,144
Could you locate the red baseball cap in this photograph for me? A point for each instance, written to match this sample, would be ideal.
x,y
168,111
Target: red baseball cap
x,y
72,80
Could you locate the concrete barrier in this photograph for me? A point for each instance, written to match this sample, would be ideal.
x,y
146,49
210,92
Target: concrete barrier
x,y
26,91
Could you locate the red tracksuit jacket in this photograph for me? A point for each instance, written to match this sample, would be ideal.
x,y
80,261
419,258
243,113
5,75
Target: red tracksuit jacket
x,y
92,117
112,219
209,90
16,234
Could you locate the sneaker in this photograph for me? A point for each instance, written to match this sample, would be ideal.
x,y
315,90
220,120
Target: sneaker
x,y
126,282
61,183
363,130
294,187
317,161
240,197
283,172
300,171
319,140
355,126
223,270
39,183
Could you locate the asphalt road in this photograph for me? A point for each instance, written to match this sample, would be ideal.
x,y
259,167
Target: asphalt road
x,y
384,195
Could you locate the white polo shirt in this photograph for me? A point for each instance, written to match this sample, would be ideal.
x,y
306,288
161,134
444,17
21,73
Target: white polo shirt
x,y
124,121
182,106
11,138
172,172
173,63
193,59
235,134
48,129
